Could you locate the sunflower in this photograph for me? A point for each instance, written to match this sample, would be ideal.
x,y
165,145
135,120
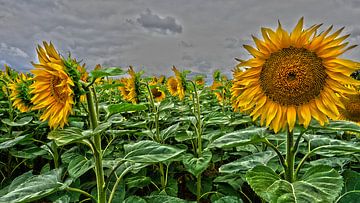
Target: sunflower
x,y
180,83
20,93
199,81
130,88
84,75
351,111
294,76
172,85
52,87
219,91
157,94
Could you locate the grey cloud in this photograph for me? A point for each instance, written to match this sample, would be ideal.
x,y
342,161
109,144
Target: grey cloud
x,y
163,25
184,44
12,51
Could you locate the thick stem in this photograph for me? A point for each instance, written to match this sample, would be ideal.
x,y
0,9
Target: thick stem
x,y
198,188
162,175
100,181
290,156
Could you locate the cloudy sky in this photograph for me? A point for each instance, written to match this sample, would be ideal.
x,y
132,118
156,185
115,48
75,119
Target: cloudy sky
x,y
153,35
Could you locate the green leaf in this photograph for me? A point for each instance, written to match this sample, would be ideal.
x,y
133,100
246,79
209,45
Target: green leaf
x,y
197,165
134,199
338,126
147,151
166,105
20,122
351,189
112,71
33,188
239,138
247,162
79,165
101,128
67,136
318,184
164,199
229,199
124,107
137,181
6,143
170,131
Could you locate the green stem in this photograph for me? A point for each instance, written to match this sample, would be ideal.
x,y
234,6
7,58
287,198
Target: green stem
x,y
100,181
162,175
290,156
281,157
199,139
80,191
111,197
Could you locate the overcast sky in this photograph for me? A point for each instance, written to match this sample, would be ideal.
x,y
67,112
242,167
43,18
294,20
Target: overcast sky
x,y
153,35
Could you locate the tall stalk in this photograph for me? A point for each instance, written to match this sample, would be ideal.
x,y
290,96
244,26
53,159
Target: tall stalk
x,y
199,138
157,133
100,181
290,156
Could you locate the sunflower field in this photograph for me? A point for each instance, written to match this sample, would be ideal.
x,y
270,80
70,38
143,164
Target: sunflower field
x,y
285,128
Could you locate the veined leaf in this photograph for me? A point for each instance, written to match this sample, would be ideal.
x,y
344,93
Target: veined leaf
x,y
67,136
197,165
150,152
338,126
6,143
33,188
239,138
320,184
111,71
20,122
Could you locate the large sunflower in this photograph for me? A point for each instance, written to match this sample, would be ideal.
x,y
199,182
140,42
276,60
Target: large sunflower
x,y
52,88
20,93
294,76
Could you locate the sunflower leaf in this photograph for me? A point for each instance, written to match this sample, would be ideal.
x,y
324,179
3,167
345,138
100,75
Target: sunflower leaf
x,y
318,184
20,122
112,71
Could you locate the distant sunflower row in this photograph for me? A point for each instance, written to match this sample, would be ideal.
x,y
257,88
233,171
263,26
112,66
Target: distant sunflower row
x,y
291,78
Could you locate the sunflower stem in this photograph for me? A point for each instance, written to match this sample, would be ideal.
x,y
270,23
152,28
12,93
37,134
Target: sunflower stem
x,y
199,139
100,181
290,156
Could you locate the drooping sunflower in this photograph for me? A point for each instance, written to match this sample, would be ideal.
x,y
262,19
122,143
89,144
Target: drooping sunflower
x,y
158,94
20,93
52,87
181,84
172,86
130,88
199,81
219,91
294,76
351,112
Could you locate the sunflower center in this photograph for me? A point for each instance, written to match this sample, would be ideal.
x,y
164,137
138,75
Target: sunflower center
x,y
57,90
292,76
156,92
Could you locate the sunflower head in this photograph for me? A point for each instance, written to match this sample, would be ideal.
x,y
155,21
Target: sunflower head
x,y
54,87
158,94
20,93
294,77
172,85
351,112
130,90
219,91
84,76
199,81
181,82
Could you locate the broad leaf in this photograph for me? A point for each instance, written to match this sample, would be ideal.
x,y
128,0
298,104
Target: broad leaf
x,y
123,107
20,122
112,71
168,132
67,136
134,199
239,138
33,188
150,152
229,199
79,165
197,165
247,162
9,142
338,126
164,199
318,184
351,189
